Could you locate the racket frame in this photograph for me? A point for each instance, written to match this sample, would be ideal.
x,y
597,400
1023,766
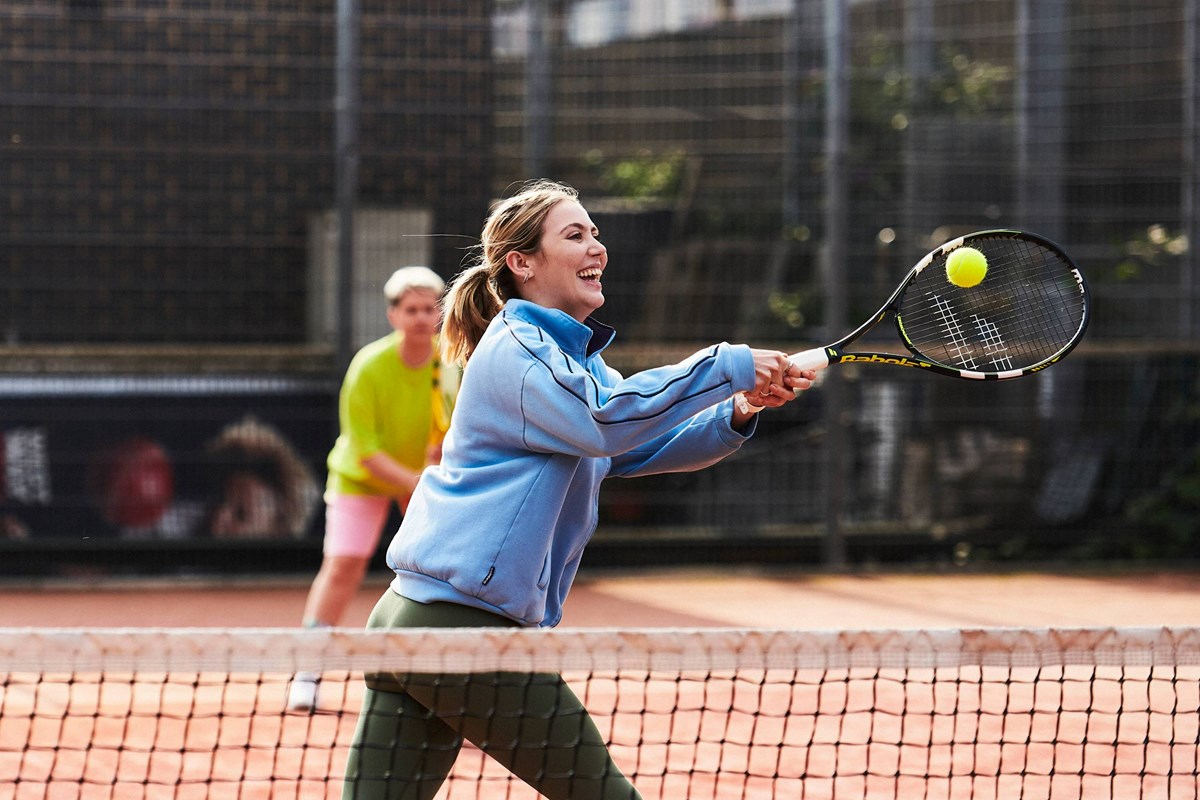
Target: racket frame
x,y
819,358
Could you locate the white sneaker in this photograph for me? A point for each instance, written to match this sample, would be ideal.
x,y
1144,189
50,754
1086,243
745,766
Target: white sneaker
x,y
302,694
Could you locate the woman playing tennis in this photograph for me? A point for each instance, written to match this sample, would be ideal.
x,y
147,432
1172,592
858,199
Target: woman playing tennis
x,y
494,534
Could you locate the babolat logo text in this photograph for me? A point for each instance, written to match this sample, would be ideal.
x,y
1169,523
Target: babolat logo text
x,y
1040,367
899,361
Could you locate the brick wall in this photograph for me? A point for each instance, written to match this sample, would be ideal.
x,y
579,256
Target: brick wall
x,y
159,161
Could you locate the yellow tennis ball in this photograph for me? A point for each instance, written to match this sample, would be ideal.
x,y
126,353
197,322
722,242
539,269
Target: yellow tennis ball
x,y
965,267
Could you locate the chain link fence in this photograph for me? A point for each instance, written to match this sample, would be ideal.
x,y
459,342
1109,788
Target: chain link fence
x,y
177,178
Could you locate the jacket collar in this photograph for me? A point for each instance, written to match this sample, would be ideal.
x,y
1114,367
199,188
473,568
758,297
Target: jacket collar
x,y
581,340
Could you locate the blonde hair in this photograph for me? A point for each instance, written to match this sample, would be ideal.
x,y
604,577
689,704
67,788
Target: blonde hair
x,y
406,279
478,293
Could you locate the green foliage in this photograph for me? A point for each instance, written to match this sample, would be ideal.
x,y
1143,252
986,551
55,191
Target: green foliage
x,y
1154,248
967,87
790,307
646,177
1169,516
885,99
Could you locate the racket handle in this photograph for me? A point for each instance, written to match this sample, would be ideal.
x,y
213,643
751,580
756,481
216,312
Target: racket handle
x,y
816,358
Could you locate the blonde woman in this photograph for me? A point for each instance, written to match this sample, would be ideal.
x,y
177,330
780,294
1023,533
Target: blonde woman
x,y
494,534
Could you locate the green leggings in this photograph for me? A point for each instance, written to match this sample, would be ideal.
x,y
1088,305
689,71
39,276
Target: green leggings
x,y
412,726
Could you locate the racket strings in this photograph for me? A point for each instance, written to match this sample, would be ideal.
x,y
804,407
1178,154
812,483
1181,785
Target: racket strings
x,y
1028,308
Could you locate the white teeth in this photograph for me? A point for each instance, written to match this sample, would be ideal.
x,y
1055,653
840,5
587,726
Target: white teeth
x,y
587,274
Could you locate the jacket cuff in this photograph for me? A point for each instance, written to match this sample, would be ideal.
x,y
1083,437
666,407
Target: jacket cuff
x,y
742,371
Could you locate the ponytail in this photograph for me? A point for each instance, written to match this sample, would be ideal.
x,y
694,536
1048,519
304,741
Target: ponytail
x,y
470,304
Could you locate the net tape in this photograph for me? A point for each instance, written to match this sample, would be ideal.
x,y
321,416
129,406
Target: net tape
x,y
285,650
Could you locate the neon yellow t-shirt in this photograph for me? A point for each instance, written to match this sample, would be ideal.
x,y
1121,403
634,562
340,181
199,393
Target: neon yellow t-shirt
x,y
385,406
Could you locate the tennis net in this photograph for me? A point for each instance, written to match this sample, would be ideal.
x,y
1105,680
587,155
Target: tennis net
x,y
690,714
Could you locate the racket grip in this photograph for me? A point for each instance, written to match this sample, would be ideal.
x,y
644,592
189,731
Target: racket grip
x,y
816,358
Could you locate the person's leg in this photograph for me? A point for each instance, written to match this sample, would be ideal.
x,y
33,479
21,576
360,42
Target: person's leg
x,y
533,724
336,584
353,524
400,750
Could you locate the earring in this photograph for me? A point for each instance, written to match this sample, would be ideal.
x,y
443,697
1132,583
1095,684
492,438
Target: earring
x,y
527,274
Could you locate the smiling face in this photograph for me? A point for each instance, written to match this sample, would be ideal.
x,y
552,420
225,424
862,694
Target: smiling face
x,y
564,272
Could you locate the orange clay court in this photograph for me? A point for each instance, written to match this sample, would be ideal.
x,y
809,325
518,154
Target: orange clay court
x,y
81,738
671,598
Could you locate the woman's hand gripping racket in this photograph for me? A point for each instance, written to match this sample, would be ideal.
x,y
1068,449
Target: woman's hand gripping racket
x,y
1028,311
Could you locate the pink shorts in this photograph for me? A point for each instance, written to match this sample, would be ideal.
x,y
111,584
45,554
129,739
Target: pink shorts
x,y
353,523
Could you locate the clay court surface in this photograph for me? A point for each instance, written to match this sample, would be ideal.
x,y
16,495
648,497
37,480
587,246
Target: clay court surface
x,y
671,598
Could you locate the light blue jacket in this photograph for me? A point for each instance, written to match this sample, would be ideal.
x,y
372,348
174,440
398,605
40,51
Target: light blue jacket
x,y
541,420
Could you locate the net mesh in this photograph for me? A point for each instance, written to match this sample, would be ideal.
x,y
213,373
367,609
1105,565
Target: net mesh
x,y
1080,713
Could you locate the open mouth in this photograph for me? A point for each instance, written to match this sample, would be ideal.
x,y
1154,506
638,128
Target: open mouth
x,y
590,274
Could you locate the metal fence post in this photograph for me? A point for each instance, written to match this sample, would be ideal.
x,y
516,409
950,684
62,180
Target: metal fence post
x,y
837,133
347,105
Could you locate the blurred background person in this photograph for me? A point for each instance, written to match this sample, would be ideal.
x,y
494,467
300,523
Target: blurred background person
x,y
393,411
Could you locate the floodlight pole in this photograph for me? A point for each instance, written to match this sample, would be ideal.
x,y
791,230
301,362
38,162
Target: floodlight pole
x,y
792,128
539,88
347,106
918,67
1190,189
837,133
1041,129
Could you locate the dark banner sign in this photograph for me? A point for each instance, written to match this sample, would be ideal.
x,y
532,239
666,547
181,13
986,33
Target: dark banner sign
x,y
184,458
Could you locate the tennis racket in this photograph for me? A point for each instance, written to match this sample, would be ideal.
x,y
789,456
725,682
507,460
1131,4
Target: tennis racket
x,y
1028,312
